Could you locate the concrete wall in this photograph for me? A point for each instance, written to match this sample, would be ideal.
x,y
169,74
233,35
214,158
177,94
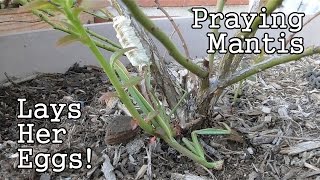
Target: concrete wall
x,y
27,53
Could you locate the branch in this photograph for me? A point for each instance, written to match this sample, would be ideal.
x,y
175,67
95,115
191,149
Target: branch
x,y
306,23
219,9
266,65
106,47
43,17
164,39
175,26
271,6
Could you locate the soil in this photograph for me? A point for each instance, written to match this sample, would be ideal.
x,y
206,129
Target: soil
x,y
275,114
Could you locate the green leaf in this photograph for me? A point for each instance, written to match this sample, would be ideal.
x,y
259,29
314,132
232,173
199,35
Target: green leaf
x,y
65,40
69,3
151,115
115,56
38,4
133,81
77,11
93,5
57,1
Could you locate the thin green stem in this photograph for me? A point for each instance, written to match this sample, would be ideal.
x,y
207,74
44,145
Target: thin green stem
x,y
105,47
164,39
110,72
45,18
96,35
179,103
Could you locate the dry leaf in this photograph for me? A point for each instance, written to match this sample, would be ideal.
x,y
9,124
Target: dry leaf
x,y
301,147
110,99
107,169
141,172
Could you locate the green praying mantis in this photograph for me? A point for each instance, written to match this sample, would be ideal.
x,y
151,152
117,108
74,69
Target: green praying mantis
x,y
152,118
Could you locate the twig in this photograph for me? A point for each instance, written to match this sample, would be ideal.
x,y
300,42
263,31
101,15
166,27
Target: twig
x,y
98,36
220,6
179,103
228,58
266,65
60,28
193,123
145,21
10,80
312,167
29,78
96,15
260,57
210,150
116,5
149,155
209,172
306,23
292,138
166,51
175,26
107,13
